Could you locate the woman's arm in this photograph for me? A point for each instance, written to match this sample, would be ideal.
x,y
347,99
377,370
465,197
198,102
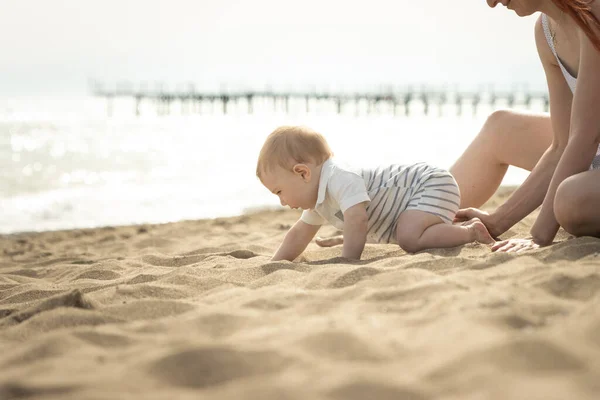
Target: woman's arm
x,y
531,193
583,139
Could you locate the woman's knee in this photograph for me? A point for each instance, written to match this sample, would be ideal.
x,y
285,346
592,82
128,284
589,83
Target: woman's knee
x,y
515,138
569,208
496,123
493,133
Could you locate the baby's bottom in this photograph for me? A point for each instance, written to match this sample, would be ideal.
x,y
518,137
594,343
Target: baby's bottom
x,y
418,230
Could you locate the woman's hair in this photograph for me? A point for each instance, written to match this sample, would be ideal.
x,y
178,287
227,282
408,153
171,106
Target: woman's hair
x,y
581,12
289,145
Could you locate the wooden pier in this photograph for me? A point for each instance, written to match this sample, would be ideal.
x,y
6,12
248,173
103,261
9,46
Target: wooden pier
x,y
383,101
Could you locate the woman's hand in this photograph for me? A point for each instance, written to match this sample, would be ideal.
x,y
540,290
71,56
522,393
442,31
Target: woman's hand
x,y
515,245
467,214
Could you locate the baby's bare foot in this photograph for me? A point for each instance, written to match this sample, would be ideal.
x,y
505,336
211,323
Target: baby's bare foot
x,y
480,233
469,222
330,241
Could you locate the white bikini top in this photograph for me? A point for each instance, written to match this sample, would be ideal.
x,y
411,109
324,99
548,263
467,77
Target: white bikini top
x,y
571,80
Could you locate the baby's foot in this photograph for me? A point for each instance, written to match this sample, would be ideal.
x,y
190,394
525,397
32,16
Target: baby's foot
x,y
480,233
330,241
469,222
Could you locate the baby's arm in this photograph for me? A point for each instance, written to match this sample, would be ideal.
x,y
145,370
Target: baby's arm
x,y
355,231
295,241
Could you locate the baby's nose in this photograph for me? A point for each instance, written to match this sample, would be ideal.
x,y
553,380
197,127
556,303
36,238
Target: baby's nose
x,y
283,203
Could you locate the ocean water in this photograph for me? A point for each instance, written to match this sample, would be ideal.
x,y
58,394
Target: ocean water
x,y
65,164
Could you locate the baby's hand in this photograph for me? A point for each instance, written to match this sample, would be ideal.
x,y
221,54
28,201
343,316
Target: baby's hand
x,y
295,241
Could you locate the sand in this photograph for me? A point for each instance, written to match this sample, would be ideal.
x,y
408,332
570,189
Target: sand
x,y
195,309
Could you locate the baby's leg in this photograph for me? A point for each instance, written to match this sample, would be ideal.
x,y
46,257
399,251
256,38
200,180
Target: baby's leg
x,y
419,230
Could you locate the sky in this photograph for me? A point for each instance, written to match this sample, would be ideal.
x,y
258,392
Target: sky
x,y
58,46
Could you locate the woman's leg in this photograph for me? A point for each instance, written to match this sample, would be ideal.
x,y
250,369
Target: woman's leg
x,y
507,138
577,204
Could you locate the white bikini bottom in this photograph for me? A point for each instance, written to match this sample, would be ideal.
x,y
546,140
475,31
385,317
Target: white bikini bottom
x,y
596,162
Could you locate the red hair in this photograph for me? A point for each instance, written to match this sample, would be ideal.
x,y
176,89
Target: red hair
x,y
581,12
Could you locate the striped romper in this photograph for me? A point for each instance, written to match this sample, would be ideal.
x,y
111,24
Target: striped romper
x,y
389,191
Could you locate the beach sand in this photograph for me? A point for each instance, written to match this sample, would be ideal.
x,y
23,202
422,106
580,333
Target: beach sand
x,y
195,309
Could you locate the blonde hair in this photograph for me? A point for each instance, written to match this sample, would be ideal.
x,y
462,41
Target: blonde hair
x,y
289,145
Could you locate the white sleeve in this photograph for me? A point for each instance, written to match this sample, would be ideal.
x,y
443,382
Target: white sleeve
x,y
311,217
347,189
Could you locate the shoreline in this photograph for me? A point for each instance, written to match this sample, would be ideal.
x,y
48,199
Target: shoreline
x,y
500,196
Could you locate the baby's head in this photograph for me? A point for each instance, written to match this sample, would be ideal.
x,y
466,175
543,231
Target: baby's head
x,y
289,165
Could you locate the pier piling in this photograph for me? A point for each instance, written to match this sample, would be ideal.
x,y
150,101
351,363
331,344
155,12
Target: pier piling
x,y
383,101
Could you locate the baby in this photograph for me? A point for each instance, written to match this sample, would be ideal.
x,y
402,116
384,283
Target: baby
x,y
411,205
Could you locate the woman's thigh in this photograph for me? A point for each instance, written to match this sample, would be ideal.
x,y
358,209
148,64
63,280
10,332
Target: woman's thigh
x,y
507,138
577,204
520,139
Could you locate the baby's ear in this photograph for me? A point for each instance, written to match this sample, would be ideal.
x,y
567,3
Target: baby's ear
x,y
303,171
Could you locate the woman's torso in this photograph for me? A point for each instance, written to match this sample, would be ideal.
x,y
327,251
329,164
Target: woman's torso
x,y
563,40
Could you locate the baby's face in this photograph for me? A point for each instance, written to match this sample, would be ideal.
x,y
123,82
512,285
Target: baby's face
x,y
292,188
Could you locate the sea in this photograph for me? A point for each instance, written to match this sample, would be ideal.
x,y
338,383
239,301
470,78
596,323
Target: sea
x,y
71,162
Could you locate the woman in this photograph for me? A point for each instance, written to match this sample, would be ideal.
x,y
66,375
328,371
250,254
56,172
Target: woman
x,y
558,148
561,150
